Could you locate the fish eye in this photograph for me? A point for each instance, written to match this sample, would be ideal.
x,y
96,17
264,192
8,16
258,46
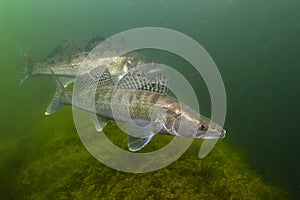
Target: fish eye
x,y
202,127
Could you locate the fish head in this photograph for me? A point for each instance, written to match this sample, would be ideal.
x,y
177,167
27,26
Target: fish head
x,y
193,125
209,130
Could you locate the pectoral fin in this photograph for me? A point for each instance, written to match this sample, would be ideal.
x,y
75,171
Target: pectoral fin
x,y
136,143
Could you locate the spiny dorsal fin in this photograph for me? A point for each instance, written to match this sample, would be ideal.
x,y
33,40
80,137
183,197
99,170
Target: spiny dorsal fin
x,y
101,76
159,83
133,80
136,79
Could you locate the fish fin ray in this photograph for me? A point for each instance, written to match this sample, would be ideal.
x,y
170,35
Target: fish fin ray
x,y
136,143
65,50
136,79
93,43
96,78
57,101
27,72
99,122
55,104
159,83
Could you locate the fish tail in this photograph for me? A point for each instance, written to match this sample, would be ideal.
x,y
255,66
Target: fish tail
x,y
58,98
27,72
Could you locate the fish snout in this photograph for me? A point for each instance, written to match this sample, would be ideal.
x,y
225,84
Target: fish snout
x,y
223,133
214,132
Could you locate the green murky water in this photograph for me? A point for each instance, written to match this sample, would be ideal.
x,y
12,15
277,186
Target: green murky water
x,y
255,45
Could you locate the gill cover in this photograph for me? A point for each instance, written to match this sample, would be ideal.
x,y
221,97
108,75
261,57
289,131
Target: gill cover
x,y
184,126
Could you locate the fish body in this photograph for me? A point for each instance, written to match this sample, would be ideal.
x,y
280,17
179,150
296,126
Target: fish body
x,y
68,58
172,116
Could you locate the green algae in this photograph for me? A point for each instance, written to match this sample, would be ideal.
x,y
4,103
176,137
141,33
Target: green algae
x,y
55,165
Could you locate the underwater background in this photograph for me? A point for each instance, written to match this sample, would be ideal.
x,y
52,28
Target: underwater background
x,y
255,45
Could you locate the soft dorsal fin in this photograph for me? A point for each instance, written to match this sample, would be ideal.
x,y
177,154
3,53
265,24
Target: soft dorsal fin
x,y
136,79
64,51
93,43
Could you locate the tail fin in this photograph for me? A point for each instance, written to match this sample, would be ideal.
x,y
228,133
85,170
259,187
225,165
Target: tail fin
x,y
57,101
27,72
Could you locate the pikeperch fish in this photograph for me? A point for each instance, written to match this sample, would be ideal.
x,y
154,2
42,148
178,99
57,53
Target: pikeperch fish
x,y
145,100
67,58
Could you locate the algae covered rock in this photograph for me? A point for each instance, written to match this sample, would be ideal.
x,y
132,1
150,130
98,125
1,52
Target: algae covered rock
x,y
59,167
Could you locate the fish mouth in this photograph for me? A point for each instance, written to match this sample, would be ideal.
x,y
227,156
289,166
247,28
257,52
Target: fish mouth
x,y
223,133
211,135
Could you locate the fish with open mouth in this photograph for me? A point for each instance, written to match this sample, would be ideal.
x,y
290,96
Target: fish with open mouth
x,y
67,58
147,102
